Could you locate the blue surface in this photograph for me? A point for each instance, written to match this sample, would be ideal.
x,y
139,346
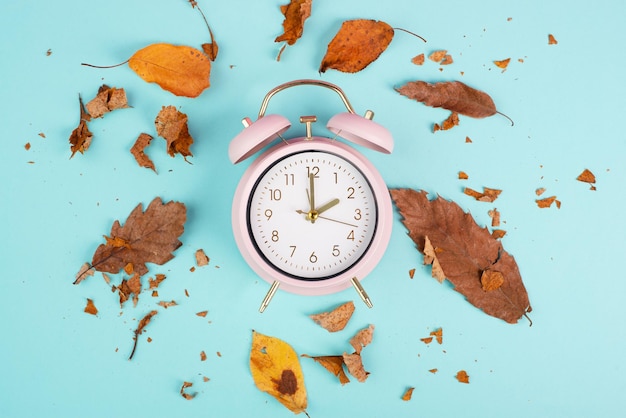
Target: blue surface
x,y
567,101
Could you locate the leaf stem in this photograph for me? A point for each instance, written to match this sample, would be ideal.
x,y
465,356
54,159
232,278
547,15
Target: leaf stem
x,y
411,33
104,66
502,114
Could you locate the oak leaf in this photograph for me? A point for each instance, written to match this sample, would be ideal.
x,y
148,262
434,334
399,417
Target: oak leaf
x,y
335,320
356,45
465,251
138,148
275,369
296,12
452,95
181,70
171,125
152,236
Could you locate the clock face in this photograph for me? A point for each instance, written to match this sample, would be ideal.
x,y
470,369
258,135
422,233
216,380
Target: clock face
x,y
312,215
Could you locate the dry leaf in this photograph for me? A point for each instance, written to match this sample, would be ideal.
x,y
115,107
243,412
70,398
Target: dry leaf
x,y
201,258
438,56
127,288
138,148
547,202
354,363
356,45
296,12
362,338
140,328
81,136
91,308
411,273
333,364
498,233
494,214
202,356
418,59
165,304
449,123
462,376
430,258
157,281
464,251
336,319
85,270
172,126
408,394
181,70
426,340
463,175
502,63
107,99
152,236
276,370
488,195
447,60
202,314
453,95
552,40
438,334
540,191
184,394
433,371
586,176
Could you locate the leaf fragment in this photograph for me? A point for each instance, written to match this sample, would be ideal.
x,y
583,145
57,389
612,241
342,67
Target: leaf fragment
x,y
354,363
138,151
143,323
503,64
333,364
418,59
335,320
362,338
408,393
438,56
276,370
81,136
586,176
171,125
487,195
90,308
181,70
546,202
152,236
552,40
296,13
491,280
107,100
85,270
183,392
462,376
357,44
201,258
452,95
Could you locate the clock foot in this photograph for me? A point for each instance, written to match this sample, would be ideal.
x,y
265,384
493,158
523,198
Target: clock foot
x,y
268,297
362,293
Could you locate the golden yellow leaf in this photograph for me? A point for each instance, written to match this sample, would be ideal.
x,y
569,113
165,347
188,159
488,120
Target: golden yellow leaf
x,y
275,368
181,70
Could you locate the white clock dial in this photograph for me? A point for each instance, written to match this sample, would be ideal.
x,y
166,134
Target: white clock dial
x,y
312,215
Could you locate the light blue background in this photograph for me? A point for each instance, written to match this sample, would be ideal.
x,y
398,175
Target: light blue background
x,y
567,101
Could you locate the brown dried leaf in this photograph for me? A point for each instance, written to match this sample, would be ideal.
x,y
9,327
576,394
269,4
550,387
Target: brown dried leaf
x,y
140,328
165,304
546,202
172,126
152,236
430,257
453,95
107,99
354,363
464,251
362,338
488,195
333,364
335,320
201,258
552,40
502,63
438,56
408,394
463,175
418,59
494,214
356,45
91,308
81,136
202,314
586,176
85,270
138,148
296,13
181,70
438,334
462,376
129,287
184,394
157,281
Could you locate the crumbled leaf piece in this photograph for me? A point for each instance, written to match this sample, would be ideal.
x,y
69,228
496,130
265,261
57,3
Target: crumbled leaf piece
x,y
128,288
498,233
184,394
107,99
438,334
408,393
488,195
138,151
453,95
140,328
172,126
181,70
426,340
85,270
91,308
540,191
418,59
152,236
296,13
494,214
335,320
433,371
464,250
463,175
491,280
586,176
447,60
165,304
157,281
362,338
552,40
333,364
430,258
354,363
276,370
202,356
468,140
27,146
411,273
357,44
450,122
81,136
546,202
202,314
201,258
502,63
438,56
462,376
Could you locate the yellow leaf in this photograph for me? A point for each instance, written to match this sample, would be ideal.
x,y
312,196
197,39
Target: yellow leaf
x,y
181,70
276,370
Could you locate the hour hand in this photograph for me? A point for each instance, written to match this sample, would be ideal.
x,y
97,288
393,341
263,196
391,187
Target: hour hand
x,y
327,206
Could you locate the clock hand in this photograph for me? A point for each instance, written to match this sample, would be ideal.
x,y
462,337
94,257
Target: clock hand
x,y
312,189
327,206
335,220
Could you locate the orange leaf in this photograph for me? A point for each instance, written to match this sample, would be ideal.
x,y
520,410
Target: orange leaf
x,y
408,394
502,63
296,12
333,364
276,370
586,176
357,44
462,376
491,280
91,308
181,70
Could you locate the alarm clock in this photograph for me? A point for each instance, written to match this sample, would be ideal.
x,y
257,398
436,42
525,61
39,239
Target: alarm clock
x,y
311,215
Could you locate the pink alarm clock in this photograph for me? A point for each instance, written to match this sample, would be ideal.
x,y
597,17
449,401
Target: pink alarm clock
x,y
311,215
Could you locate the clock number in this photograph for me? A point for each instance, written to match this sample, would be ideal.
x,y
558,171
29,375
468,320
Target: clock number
x,y
275,194
289,179
336,178
336,251
293,250
350,191
357,214
275,235
351,235
268,214
313,257
315,170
